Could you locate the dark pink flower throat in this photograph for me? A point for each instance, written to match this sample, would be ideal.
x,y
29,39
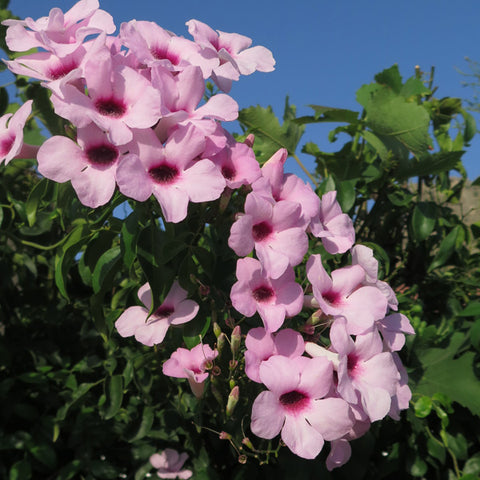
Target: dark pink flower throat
x,y
294,401
263,293
261,230
105,154
110,107
164,173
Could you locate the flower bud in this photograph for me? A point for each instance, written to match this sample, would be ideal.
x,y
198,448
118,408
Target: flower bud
x,y
249,140
236,340
232,400
216,329
232,365
221,341
225,436
246,441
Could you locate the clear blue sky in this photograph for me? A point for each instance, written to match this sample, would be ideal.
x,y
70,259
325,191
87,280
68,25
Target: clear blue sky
x,y
325,50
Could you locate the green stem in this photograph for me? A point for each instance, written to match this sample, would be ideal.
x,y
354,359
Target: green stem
x,y
302,166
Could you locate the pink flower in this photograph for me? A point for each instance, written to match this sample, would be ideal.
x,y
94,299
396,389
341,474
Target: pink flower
x,y
294,405
170,463
90,165
261,345
170,173
191,364
332,226
176,309
236,58
393,327
272,228
344,294
273,299
11,135
117,98
363,256
364,370
286,186
59,33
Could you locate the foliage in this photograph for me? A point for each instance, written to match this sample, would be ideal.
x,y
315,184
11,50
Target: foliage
x,y
78,401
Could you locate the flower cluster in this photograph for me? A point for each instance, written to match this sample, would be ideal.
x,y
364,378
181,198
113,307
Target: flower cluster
x,y
141,126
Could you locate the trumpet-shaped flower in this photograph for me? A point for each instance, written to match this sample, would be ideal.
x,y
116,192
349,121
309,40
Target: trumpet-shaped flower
x,y
334,227
272,228
344,294
273,299
176,309
170,173
169,464
261,345
294,405
11,134
192,365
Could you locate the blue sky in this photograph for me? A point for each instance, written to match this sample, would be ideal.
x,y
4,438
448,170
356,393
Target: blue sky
x,y
325,50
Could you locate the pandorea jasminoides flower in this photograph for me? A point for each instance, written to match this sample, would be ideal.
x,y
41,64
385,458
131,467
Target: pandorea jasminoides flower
x,y
90,165
261,345
191,364
273,299
173,174
236,58
364,370
150,330
274,229
334,227
294,405
11,135
169,464
344,294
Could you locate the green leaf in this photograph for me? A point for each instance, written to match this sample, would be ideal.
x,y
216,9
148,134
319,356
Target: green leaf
x,y
34,199
428,165
447,247
472,465
346,194
475,334
418,468
145,424
114,389
20,470
471,310
106,267
470,126
436,449
423,220
266,127
195,330
3,100
391,116
376,144
423,407
442,371
45,454
390,77
128,239
328,114
413,87
65,256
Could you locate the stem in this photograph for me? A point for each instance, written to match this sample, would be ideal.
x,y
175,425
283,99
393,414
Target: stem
x,y
302,166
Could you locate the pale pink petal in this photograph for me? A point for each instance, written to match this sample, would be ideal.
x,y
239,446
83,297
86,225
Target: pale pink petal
x,y
131,319
301,438
332,417
267,415
152,333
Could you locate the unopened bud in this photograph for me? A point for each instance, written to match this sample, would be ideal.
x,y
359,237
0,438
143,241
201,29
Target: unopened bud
x,y
225,436
221,341
236,340
232,365
309,301
315,318
204,290
232,400
249,140
246,441
216,329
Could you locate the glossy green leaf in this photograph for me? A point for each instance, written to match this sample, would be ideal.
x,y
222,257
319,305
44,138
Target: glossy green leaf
x,y
436,449
472,465
444,372
20,470
106,267
423,220
475,334
391,78
423,407
128,239
146,423
447,247
114,389
471,310
328,114
346,195
430,164
34,199
45,454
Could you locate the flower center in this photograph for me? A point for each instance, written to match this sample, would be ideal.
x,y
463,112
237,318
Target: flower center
x,y
6,145
261,230
61,70
331,297
163,312
105,154
162,53
294,401
228,173
164,173
110,107
263,293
